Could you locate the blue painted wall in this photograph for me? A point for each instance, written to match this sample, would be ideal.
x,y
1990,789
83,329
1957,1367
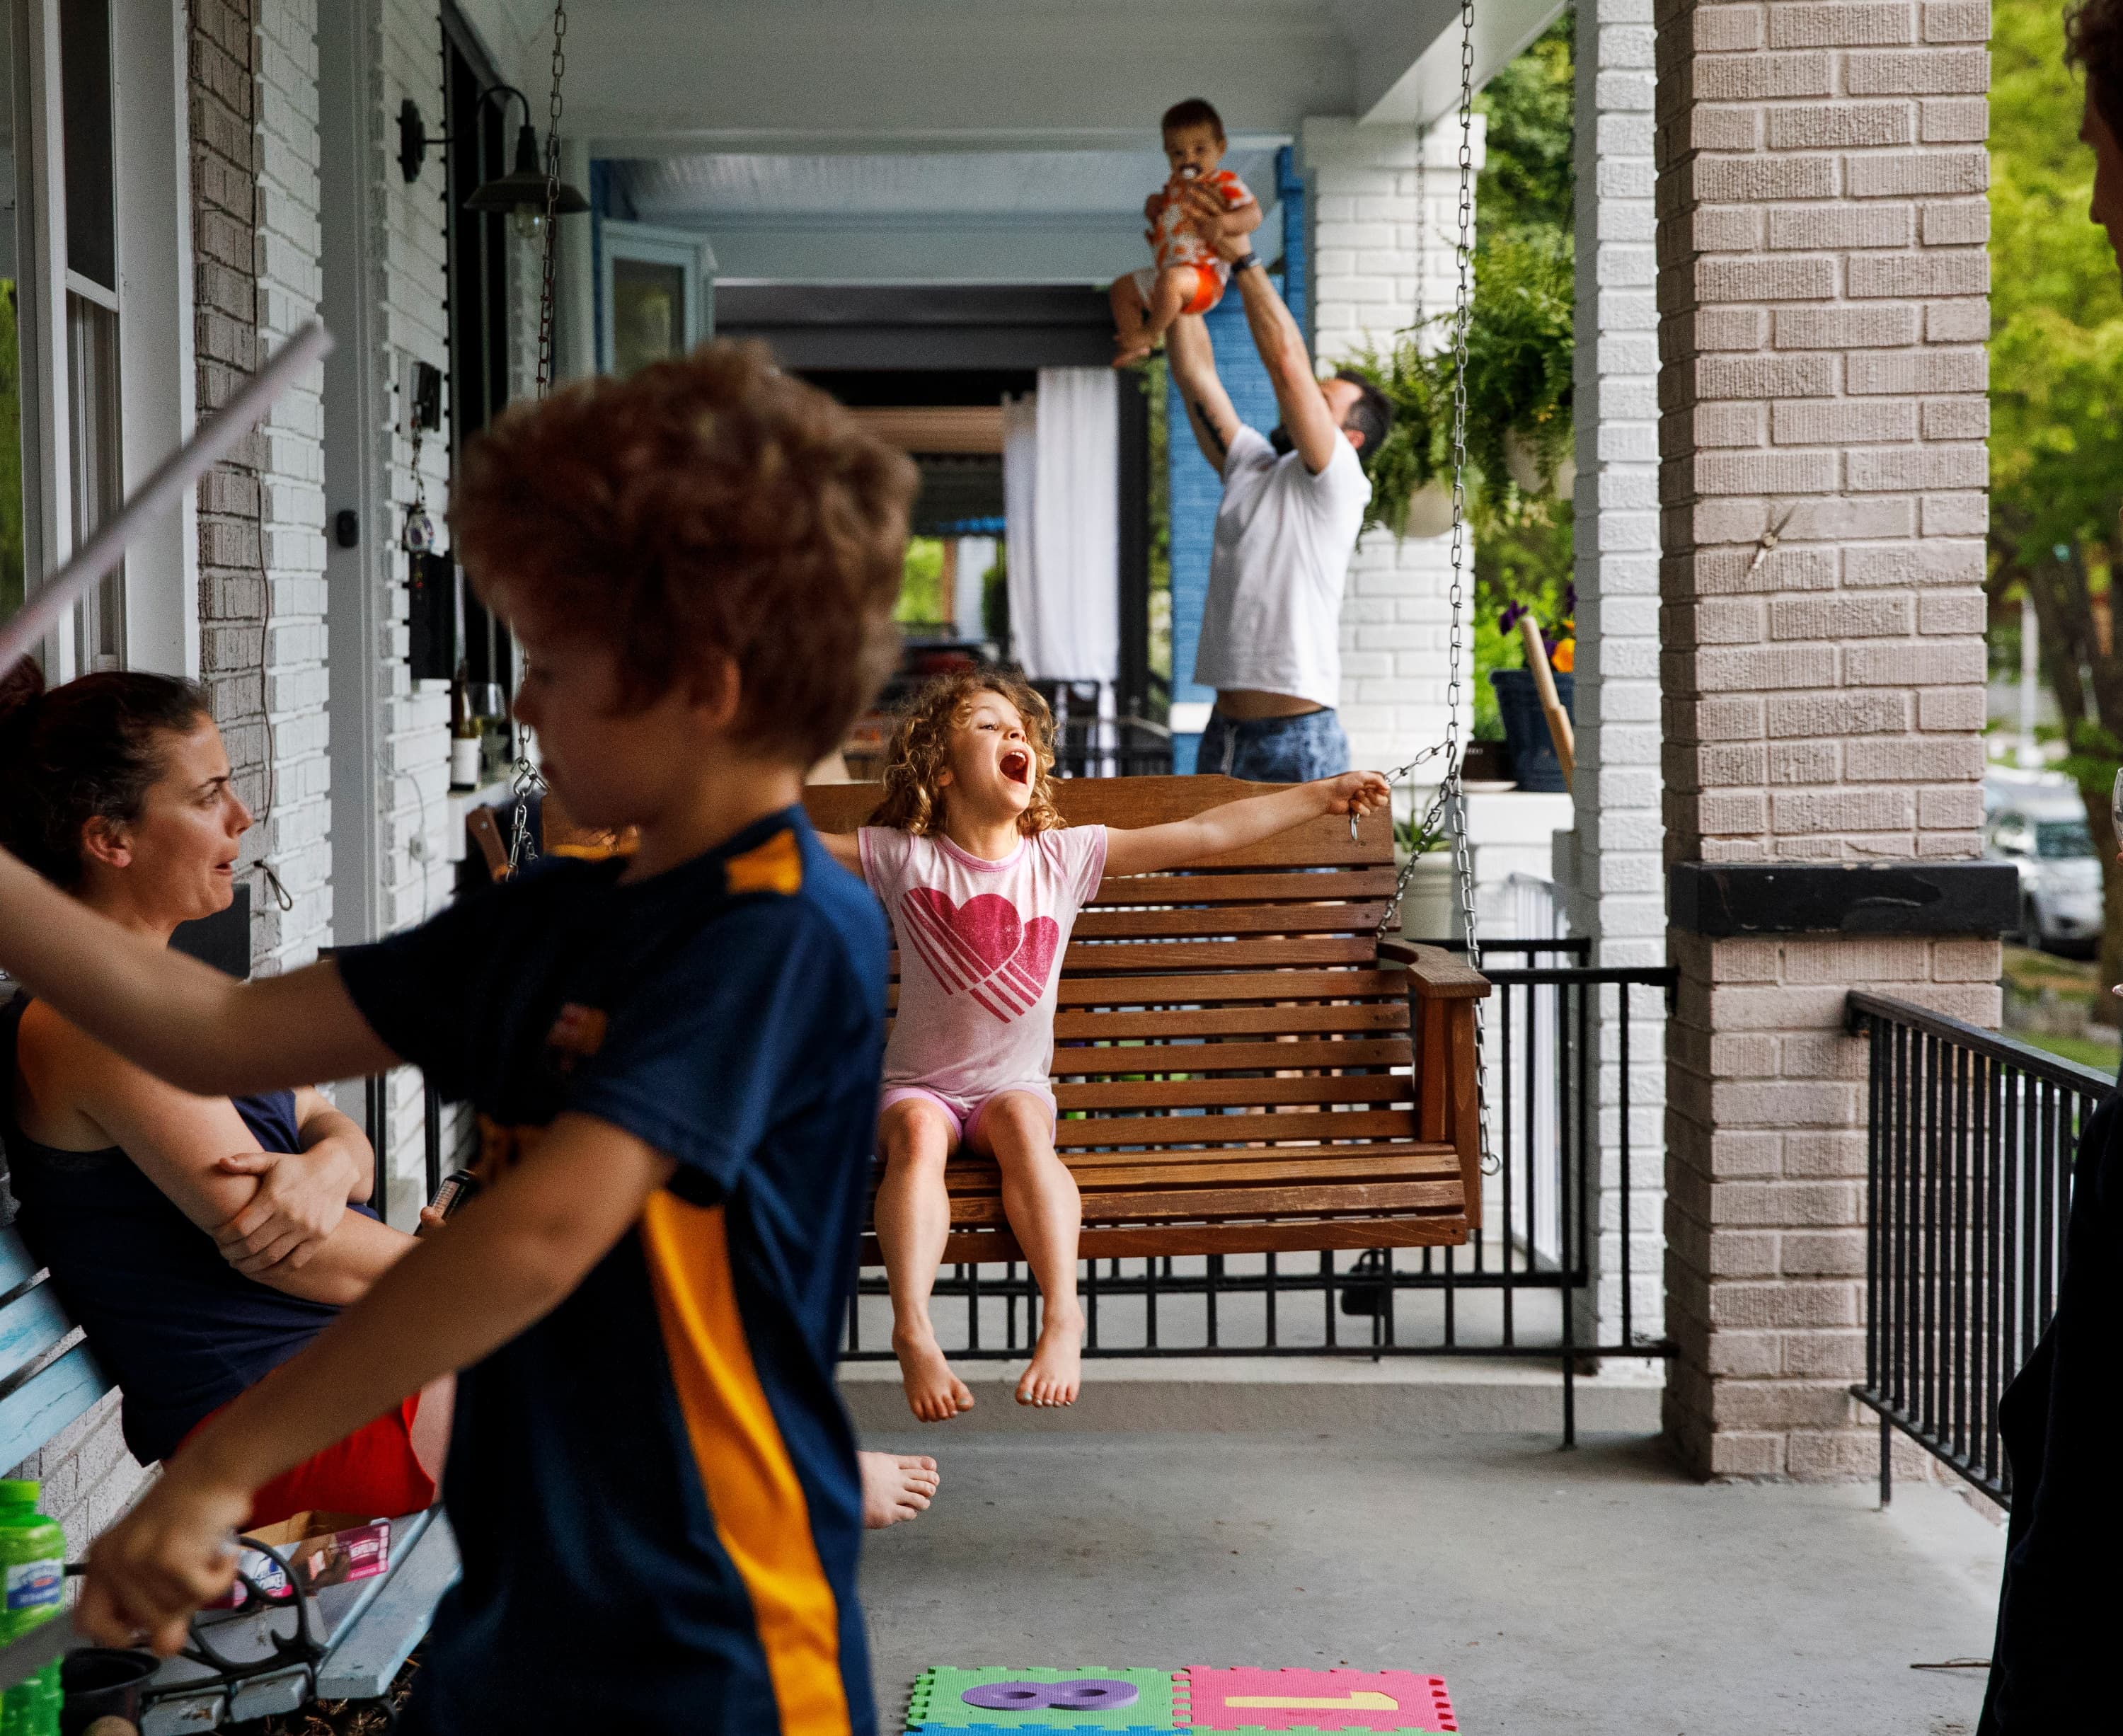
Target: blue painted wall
x,y
1195,489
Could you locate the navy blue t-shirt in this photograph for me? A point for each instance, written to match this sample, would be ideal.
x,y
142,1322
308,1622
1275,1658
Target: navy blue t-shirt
x,y
179,1330
654,1489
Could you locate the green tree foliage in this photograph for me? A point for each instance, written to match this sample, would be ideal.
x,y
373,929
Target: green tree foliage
x,y
1525,209
921,599
2056,408
1529,184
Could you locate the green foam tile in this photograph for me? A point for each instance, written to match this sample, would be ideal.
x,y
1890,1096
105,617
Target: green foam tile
x,y
935,1704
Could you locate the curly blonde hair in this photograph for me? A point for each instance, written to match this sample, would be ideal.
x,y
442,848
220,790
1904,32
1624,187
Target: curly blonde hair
x,y
913,801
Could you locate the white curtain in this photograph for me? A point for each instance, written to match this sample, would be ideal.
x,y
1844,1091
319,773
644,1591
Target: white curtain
x,y
1061,501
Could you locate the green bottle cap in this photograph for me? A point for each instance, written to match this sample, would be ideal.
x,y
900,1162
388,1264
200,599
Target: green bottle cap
x,y
20,1491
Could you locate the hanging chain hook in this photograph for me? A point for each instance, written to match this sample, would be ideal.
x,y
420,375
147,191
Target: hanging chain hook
x,y
524,781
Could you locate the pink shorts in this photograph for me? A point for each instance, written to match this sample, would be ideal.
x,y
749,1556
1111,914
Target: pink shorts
x,y
964,1114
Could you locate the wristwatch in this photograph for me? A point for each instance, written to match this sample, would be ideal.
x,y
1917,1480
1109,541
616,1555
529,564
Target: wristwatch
x,y
1246,263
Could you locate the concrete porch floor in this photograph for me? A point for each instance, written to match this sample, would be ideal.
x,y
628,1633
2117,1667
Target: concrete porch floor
x,y
1593,1592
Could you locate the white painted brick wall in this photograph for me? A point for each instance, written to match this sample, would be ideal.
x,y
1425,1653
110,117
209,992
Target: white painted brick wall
x,y
1612,864
410,259
1384,216
296,842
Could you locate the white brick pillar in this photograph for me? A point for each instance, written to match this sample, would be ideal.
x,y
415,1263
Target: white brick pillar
x,y
291,479
1610,866
1385,205
1823,294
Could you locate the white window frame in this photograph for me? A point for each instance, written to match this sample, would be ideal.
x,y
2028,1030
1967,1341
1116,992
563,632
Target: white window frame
x,y
652,244
151,166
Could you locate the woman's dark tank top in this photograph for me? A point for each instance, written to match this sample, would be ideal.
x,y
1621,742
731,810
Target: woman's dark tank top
x,y
179,1330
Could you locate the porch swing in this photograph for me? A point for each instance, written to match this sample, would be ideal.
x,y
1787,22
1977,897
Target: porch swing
x,y
1244,1061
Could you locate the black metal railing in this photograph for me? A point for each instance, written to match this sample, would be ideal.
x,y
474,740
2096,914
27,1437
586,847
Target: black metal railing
x,y
1518,1290
1090,740
1969,1145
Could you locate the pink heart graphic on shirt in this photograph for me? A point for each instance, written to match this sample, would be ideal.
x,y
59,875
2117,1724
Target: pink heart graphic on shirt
x,y
983,948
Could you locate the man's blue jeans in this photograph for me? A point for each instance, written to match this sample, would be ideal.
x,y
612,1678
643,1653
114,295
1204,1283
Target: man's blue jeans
x,y
1275,750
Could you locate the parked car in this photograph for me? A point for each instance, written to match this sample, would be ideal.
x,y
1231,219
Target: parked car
x,y
2060,874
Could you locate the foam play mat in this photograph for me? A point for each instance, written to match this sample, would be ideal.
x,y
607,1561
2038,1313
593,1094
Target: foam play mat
x,y
1170,1702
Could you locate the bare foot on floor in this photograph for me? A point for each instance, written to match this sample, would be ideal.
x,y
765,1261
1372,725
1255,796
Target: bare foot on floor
x,y
933,1393
895,1486
1057,1364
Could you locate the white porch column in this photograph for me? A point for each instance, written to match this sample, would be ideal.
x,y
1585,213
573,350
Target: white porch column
x,y
1611,867
1385,214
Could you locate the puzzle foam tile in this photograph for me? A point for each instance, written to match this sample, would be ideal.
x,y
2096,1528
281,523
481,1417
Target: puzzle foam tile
x,y
1136,1701
1313,1701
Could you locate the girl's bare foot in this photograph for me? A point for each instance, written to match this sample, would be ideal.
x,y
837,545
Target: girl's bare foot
x,y
895,1486
933,1393
1056,1372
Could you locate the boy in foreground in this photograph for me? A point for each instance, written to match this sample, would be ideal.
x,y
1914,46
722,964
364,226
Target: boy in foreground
x,y
675,1059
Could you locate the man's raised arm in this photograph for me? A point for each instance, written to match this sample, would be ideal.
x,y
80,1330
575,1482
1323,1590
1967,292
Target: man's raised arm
x,y
1311,424
1193,358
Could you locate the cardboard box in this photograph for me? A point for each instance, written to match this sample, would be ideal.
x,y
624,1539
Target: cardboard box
x,y
324,1548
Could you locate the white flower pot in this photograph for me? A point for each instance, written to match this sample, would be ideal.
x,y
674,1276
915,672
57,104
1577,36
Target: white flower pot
x,y
1430,509
1429,907
1522,460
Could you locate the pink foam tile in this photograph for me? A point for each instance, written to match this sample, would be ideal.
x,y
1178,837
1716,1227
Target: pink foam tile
x,y
1316,1700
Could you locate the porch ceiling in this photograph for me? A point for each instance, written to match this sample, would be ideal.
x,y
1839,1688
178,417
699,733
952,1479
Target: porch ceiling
x,y
654,78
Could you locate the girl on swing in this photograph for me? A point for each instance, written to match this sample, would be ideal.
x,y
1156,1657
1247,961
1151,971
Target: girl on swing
x,y
982,881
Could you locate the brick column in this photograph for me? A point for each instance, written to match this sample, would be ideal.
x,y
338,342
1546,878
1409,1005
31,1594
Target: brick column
x,y
1823,299
297,835
231,582
1609,867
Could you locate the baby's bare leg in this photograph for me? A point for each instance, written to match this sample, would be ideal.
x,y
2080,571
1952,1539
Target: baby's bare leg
x,y
913,1224
1130,318
1174,290
1046,1213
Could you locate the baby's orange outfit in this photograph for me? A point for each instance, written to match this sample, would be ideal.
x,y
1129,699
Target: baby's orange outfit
x,y
1177,243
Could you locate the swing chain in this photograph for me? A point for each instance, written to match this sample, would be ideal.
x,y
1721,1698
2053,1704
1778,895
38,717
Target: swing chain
x,y
524,781
1447,812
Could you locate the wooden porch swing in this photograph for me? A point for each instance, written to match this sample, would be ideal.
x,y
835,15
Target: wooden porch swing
x,y
1241,1066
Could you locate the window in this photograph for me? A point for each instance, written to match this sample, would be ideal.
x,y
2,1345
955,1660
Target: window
x,y
96,458
96,379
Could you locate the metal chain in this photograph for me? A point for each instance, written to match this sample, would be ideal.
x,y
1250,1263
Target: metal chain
x,y
524,779
1447,811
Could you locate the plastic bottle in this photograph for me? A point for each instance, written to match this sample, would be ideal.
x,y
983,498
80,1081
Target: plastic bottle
x,y
32,1571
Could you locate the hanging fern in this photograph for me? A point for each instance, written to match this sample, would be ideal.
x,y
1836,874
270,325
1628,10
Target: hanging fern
x,y
1519,379
1418,449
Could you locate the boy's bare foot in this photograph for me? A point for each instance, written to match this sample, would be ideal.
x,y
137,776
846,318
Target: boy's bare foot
x,y
896,1487
1128,351
1056,1372
933,1393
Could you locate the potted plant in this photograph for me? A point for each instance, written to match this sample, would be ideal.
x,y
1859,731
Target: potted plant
x,y
1430,901
1528,743
1412,470
1518,365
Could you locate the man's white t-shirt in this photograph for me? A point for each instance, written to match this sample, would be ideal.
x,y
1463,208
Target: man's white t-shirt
x,y
1272,622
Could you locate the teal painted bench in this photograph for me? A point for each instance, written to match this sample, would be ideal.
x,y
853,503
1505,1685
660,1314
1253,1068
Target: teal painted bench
x,y
49,1378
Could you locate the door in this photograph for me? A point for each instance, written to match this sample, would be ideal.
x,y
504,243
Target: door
x,y
655,294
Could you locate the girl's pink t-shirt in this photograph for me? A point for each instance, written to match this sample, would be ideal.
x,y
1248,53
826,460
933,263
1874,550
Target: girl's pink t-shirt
x,y
980,952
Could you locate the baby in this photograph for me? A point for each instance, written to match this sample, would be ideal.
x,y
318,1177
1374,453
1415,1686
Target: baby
x,y
1189,277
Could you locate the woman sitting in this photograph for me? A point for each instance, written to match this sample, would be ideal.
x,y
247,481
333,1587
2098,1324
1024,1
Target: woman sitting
x,y
199,1242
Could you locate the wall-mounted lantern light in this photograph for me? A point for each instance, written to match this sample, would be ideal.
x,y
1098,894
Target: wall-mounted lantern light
x,y
521,194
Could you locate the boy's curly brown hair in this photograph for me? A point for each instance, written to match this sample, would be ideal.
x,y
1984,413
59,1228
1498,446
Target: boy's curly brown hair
x,y
913,802
710,503
2093,39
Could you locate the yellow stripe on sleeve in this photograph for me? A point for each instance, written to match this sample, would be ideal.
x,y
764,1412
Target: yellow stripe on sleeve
x,y
753,1495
